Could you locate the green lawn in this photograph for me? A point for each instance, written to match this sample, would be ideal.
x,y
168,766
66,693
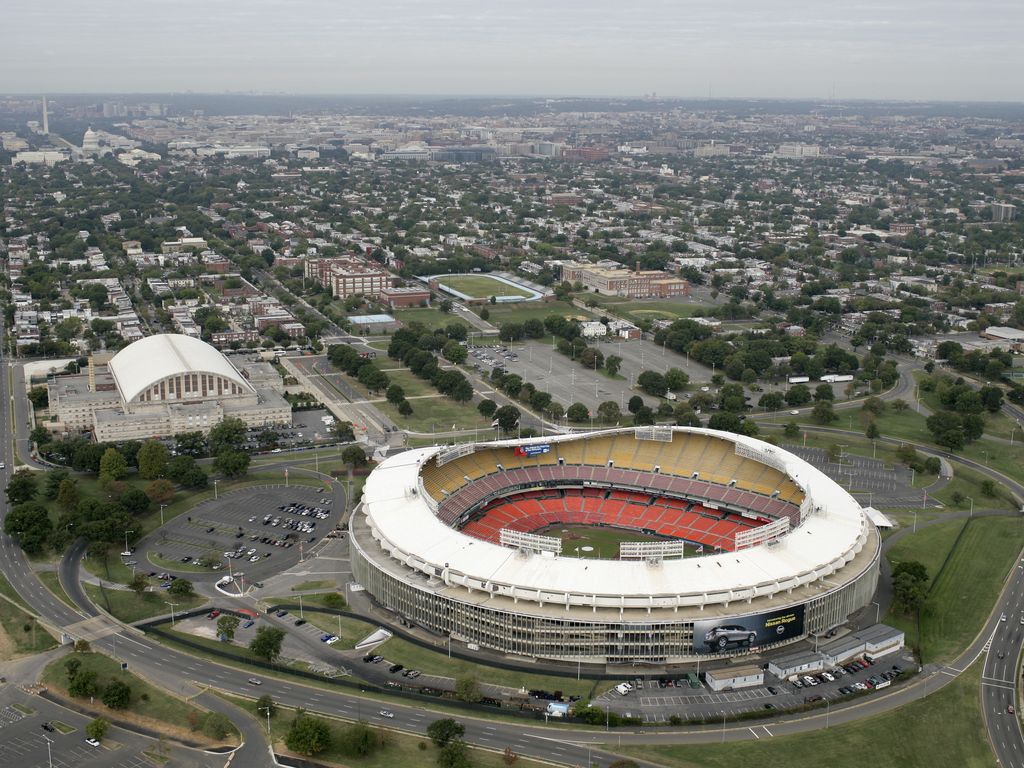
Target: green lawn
x,y
437,414
51,581
967,482
403,377
397,650
20,633
656,310
430,317
605,541
532,310
309,585
129,607
481,286
996,424
153,705
946,729
399,749
962,596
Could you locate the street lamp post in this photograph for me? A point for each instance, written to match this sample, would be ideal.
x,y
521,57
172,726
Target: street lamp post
x,y
162,506
126,542
267,710
49,757
971,499
215,489
173,605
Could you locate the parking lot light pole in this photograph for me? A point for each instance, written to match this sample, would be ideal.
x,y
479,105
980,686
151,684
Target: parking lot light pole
x,y
162,506
215,490
172,611
267,710
126,540
49,757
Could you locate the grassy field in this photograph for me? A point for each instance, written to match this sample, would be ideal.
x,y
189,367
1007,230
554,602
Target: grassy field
x,y
399,748
51,581
437,414
962,596
20,633
150,706
605,541
129,607
533,310
946,729
655,310
967,482
481,286
430,317
397,650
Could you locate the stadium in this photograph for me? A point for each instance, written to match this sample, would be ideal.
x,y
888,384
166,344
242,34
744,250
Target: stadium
x,y
739,545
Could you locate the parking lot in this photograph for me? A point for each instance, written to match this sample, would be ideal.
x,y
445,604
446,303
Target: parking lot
x,y
870,480
258,531
569,382
656,699
23,740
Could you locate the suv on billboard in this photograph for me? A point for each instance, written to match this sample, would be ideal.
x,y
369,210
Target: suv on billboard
x,y
730,634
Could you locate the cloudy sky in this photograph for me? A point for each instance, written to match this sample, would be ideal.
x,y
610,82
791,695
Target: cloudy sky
x,y
895,49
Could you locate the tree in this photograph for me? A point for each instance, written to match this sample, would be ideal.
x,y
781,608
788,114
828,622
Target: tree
x,y
354,455
138,583
267,643
791,430
67,495
226,626
608,411
30,524
135,501
83,684
268,439
38,396
872,432
160,491
405,408
152,460
21,487
454,755
653,383
227,435
51,487
909,585
507,417
71,667
113,466
231,463
644,416
508,757
265,702
771,401
454,352
395,394
190,444
181,588
635,404
216,725
824,392
487,408
443,731
467,688
117,695
991,398
798,394
577,412
97,729
308,735
359,740
823,413
344,432
676,379
612,364
988,487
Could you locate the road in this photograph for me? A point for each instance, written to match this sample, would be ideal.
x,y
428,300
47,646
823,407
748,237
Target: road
x,y
183,674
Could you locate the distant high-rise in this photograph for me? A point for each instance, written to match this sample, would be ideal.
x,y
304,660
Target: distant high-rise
x,y
46,118
1003,212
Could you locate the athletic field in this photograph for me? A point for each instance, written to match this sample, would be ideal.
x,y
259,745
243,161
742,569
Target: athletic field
x,y
482,286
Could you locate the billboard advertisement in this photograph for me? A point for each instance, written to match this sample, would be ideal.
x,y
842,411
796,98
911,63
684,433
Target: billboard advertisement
x,y
532,450
725,635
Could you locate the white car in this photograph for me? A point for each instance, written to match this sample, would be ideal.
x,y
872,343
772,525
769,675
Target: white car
x,y
386,713
794,413
92,742
254,559
332,640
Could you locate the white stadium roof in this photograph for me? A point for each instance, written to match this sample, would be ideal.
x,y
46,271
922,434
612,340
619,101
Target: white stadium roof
x,y
154,358
404,524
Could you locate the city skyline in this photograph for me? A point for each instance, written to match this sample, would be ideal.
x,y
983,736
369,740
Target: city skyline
x,y
907,50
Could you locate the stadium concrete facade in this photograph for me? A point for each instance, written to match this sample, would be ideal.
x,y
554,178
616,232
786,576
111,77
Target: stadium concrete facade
x,y
464,541
159,386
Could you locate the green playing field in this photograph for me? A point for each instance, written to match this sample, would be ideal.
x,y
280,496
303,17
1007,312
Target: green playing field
x,y
481,286
603,542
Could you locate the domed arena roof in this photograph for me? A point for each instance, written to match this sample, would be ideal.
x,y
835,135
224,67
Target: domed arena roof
x,y
154,358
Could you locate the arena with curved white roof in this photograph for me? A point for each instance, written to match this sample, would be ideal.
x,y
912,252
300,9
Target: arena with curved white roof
x,y
739,545
162,385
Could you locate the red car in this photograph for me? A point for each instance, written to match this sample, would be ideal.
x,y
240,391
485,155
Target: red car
x,y
213,614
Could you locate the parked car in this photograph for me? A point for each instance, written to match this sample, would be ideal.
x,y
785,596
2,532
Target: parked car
x,y
213,614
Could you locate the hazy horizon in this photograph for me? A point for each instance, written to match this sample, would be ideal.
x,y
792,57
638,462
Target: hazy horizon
x,y
911,50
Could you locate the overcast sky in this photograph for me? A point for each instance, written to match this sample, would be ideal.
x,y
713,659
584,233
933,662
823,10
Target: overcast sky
x,y
900,49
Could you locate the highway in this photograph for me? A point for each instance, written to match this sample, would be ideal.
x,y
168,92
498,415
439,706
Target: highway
x,y
184,674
